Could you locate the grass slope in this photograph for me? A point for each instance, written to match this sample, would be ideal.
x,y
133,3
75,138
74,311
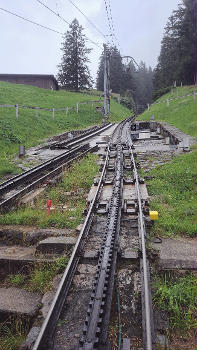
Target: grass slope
x,y
29,130
178,296
172,191
173,185
180,113
68,199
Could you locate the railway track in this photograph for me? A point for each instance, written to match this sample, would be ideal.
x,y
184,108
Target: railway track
x,y
83,301
13,189
84,136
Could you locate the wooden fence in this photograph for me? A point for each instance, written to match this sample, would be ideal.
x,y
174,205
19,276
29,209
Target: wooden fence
x,y
51,109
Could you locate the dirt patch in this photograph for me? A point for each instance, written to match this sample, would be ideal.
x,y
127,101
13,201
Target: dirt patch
x,y
183,342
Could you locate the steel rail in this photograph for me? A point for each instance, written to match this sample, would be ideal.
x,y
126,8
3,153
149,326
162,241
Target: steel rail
x,y
26,175
46,333
44,340
142,234
16,180
36,176
83,137
7,203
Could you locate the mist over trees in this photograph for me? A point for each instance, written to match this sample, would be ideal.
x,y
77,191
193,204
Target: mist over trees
x,y
133,83
73,71
178,56
116,70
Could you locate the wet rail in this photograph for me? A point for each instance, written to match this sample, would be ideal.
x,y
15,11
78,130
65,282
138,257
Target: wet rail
x,y
94,333
147,314
81,137
30,179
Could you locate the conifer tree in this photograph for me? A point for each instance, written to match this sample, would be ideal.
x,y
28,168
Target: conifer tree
x,y
73,71
133,85
178,55
116,71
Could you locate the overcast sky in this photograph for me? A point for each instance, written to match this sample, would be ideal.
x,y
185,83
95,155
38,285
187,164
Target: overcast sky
x,y
26,48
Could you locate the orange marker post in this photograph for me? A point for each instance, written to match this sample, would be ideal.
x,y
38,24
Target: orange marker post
x,y
49,202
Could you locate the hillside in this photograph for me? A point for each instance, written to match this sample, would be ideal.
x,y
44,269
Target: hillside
x,y
181,111
172,186
29,130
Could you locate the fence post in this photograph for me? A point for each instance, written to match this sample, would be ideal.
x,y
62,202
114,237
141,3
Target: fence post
x,y
53,113
92,104
77,107
167,102
148,106
17,111
36,109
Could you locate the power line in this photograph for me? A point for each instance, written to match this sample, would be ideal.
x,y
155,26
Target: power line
x,y
112,22
98,30
45,27
109,22
28,20
55,13
63,19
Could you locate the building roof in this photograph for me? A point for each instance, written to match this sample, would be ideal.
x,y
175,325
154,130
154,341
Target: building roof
x,y
43,76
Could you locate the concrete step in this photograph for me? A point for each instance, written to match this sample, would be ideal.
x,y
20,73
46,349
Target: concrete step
x,y
18,301
14,258
177,253
56,245
24,235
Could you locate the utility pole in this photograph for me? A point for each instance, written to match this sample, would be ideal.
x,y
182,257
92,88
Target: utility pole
x,y
105,81
108,84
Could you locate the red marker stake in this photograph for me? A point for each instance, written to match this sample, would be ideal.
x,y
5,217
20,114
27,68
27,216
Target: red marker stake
x,y
49,202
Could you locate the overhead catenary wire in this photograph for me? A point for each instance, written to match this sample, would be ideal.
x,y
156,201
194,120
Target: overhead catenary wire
x,y
63,19
109,22
28,20
112,22
43,26
98,30
127,57
55,13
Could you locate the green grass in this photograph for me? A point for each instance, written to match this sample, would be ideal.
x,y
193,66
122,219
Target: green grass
x,y
118,112
177,296
172,192
77,180
40,278
7,167
12,334
173,187
29,130
180,113
16,280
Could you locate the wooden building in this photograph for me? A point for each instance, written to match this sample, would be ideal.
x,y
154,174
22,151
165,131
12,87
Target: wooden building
x,y
44,81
